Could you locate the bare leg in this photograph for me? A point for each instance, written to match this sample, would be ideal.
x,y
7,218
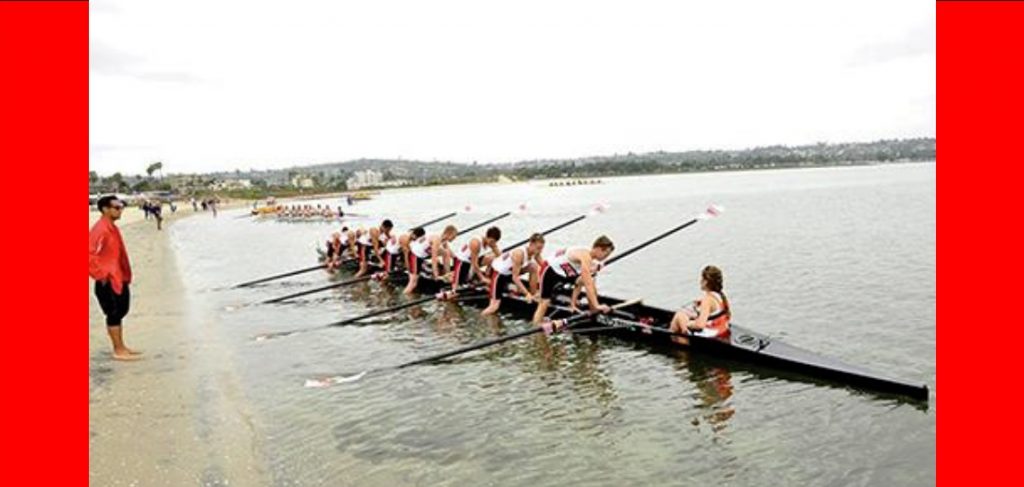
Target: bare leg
x,y
121,352
542,309
492,308
679,325
413,280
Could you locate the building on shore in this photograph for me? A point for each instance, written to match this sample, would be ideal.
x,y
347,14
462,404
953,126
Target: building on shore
x,y
365,179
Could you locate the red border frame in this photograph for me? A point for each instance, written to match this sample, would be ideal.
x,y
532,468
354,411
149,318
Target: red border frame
x,y
44,144
44,136
980,108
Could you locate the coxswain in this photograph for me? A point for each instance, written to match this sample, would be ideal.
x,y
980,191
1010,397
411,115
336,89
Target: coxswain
x,y
708,316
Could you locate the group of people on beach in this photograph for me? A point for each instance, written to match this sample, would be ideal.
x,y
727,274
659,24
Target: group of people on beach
x,y
207,204
154,208
525,272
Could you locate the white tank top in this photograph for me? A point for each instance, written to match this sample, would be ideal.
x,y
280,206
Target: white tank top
x,y
392,246
364,239
503,265
562,266
344,239
420,247
464,254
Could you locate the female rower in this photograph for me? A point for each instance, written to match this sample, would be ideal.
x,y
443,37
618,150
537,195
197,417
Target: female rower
x,y
709,315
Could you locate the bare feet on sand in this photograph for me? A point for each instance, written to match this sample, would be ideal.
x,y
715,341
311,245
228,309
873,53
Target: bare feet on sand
x,y
126,355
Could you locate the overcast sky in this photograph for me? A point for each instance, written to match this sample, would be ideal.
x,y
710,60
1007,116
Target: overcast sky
x,y
207,85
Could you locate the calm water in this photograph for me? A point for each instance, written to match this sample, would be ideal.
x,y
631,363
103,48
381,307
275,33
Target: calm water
x,y
840,261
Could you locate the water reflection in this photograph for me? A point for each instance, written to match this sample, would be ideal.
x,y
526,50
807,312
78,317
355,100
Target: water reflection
x,y
713,391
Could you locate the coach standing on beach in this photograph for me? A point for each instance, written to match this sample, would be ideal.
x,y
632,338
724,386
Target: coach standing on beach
x,y
109,266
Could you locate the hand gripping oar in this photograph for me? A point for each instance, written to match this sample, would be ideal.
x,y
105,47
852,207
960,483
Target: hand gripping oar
x,y
549,327
320,266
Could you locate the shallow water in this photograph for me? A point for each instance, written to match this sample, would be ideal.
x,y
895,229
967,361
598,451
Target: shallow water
x,y
837,260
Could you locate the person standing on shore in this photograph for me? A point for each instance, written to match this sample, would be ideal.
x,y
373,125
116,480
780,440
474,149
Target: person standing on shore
x,y
109,267
157,210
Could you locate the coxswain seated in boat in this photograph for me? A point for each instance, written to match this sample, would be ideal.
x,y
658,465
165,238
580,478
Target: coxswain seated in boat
x,y
429,253
470,260
370,244
573,267
396,253
509,268
709,315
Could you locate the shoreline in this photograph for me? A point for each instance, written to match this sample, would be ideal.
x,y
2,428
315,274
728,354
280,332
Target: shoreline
x,y
176,417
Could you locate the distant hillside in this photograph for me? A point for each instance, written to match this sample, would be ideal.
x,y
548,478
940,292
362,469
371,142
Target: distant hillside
x,y
334,176
423,172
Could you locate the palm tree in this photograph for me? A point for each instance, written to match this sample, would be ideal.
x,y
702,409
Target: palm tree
x,y
156,166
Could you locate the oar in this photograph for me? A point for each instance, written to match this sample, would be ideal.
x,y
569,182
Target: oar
x,y
321,266
711,212
478,225
545,232
281,276
431,222
565,324
391,309
319,289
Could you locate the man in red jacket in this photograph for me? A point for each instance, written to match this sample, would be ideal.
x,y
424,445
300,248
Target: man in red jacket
x,y
109,267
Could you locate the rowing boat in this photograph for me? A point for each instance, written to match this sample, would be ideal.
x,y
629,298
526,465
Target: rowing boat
x,y
649,324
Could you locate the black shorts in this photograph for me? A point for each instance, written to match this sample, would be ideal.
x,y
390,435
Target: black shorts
x,y
364,252
551,281
462,273
393,262
417,265
499,284
114,306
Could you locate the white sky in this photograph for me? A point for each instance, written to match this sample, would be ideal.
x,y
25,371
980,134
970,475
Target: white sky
x,y
209,85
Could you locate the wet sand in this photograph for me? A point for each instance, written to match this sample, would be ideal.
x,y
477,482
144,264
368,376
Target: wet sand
x,y
176,417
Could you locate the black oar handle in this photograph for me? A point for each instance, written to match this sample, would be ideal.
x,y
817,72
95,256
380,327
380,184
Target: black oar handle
x,y
435,220
651,241
316,290
485,222
494,341
545,232
279,276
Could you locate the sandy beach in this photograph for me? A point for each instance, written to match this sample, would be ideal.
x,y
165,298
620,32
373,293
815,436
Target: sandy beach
x,y
177,416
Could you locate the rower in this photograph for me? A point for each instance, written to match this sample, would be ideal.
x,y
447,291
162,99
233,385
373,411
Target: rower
x,y
508,269
429,247
577,267
470,260
370,241
708,316
334,250
396,253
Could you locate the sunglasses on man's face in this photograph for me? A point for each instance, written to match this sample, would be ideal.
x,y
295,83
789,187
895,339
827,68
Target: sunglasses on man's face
x,y
117,207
